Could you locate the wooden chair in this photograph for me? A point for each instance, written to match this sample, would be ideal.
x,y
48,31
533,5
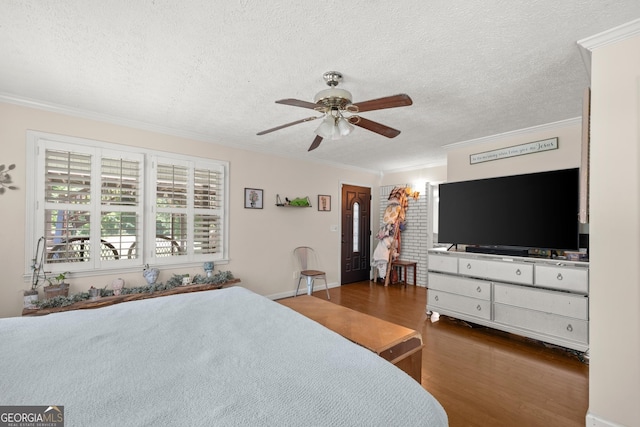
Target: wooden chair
x,y
308,269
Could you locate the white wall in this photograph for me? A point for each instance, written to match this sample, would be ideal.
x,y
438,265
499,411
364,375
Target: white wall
x,y
614,372
261,241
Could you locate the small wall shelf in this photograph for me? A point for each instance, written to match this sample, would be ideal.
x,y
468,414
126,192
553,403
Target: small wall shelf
x,y
286,203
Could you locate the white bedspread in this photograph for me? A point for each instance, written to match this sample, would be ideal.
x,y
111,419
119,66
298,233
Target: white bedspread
x,y
218,358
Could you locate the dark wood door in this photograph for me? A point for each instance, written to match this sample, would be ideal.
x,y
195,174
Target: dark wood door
x,y
356,233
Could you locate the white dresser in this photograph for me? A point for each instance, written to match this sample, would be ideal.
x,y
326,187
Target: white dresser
x,y
543,299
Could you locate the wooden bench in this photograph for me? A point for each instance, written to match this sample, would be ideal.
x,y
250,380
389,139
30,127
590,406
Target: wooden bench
x,y
397,344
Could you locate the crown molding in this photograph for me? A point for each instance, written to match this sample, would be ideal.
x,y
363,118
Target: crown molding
x,y
134,124
613,35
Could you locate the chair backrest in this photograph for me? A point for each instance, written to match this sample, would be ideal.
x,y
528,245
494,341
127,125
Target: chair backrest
x,y
306,258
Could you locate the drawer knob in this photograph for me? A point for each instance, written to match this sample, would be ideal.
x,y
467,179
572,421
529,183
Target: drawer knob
x,y
468,266
518,272
478,307
436,298
559,276
569,327
479,289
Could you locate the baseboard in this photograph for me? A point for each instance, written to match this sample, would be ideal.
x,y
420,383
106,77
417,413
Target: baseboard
x,y
316,288
596,421
303,290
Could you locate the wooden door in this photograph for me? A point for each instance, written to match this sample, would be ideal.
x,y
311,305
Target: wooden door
x,y
356,234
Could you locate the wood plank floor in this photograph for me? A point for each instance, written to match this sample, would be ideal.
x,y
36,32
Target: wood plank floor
x,y
481,376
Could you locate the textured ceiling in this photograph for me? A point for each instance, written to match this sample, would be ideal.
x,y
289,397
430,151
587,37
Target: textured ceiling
x,y
212,69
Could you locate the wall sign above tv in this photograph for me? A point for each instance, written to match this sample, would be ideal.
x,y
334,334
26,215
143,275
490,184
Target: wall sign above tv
x,y
516,150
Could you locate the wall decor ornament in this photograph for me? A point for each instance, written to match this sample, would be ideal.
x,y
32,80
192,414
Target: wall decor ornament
x,y
253,198
5,178
516,150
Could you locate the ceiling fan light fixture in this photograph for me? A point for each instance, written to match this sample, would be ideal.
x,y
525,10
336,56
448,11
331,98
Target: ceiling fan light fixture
x,y
327,127
344,127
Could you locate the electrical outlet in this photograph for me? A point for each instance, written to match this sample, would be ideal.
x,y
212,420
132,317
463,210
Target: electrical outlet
x,y
295,274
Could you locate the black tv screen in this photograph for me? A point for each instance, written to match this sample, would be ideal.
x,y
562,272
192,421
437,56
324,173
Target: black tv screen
x,y
537,210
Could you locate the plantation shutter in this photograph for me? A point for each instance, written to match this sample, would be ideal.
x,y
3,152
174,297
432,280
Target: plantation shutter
x,y
171,210
189,204
208,203
121,208
67,211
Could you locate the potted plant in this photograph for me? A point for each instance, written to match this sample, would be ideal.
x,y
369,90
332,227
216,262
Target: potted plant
x,y
60,288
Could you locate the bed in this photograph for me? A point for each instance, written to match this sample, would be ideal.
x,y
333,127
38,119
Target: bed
x,y
226,357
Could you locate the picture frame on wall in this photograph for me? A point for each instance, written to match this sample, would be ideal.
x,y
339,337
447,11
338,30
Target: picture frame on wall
x,y
324,202
253,198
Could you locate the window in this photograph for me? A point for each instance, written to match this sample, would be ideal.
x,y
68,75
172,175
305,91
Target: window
x,y
356,227
90,199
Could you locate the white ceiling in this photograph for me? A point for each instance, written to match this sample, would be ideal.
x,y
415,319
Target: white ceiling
x,y
212,69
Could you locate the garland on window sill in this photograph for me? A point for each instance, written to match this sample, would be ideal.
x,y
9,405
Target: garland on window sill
x,y
218,278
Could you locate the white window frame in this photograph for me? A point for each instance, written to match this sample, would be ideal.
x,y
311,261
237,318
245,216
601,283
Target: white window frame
x,y
38,141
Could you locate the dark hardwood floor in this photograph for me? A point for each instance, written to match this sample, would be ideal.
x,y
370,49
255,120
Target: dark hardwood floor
x,y
482,377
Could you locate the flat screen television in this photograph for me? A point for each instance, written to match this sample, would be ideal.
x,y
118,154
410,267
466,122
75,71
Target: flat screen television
x,y
536,210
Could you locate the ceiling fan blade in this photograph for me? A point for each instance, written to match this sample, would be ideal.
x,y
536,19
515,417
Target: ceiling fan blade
x,y
401,100
297,103
374,126
316,143
308,119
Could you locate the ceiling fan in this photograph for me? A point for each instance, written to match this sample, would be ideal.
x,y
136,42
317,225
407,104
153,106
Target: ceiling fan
x,y
339,114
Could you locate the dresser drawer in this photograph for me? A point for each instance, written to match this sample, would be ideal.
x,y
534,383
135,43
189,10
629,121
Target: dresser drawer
x,y
437,300
544,323
474,288
559,303
443,263
566,278
504,271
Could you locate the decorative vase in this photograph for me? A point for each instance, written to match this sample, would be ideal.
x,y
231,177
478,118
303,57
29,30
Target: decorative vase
x,y
151,275
208,267
117,286
61,289
30,298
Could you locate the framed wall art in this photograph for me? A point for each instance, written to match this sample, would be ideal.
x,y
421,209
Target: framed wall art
x,y
253,198
324,202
